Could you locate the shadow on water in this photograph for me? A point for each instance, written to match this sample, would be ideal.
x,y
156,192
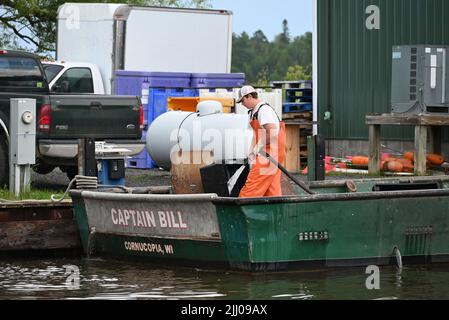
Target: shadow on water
x,y
110,279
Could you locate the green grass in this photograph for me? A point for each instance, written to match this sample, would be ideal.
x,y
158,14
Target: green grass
x,y
31,195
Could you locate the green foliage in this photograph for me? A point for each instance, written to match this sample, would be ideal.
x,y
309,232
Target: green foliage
x,y
8,40
298,72
34,21
263,78
263,61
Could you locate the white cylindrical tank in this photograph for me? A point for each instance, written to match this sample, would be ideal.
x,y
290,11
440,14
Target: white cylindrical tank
x,y
228,135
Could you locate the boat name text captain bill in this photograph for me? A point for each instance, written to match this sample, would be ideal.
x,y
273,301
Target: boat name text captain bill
x,y
148,219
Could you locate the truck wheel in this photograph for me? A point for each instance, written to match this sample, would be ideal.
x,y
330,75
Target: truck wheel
x,y
71,172
42,167
4,162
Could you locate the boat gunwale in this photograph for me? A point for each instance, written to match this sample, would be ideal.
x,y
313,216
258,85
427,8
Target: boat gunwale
x,y
128,197
334,197
214,198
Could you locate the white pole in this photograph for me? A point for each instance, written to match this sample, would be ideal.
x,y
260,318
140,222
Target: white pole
x,y
315,66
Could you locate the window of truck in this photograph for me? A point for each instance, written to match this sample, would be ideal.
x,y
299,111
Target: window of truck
x,y
20,72
79,80
51,70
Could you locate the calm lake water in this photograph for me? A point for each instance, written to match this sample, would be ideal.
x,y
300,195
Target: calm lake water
x,y
111,279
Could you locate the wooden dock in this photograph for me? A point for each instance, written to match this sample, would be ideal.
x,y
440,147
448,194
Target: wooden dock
x,y
423,124
298,126
37,226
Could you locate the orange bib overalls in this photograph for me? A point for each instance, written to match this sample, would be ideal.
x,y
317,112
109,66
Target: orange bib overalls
x,y
264,178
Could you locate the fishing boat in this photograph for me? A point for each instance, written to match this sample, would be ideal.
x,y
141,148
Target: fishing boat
x,y
342,223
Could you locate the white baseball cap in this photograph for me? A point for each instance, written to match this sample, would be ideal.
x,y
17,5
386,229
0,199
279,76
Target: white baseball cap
x,y
245,90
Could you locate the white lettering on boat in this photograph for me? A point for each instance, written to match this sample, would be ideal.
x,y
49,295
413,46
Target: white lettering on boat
x,y
149,247
147,219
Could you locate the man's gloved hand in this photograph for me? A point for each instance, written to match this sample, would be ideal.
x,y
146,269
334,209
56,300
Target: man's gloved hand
x,y
254,153
251,159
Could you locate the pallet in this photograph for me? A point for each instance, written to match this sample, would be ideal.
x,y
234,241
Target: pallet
x,y
297,100
300,84
298,115
298,95
297,107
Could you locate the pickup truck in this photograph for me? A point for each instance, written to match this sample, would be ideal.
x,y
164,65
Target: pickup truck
x,y
64,118
73,77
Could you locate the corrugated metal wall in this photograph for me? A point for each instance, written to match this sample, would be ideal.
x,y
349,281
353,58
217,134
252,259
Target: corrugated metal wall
x,y
354,62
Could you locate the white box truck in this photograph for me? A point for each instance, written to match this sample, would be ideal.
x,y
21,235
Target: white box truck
x,y
153,39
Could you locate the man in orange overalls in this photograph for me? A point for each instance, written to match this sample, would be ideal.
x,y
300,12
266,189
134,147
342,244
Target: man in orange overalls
x,y
264,178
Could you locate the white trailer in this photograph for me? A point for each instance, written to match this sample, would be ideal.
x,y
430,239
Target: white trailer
x,y
153,39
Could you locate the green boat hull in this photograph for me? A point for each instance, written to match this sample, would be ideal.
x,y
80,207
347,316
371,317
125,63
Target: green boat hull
x,y
333,228
335,233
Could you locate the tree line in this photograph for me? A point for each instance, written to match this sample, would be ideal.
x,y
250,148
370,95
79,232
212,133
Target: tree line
x,y
31,25
263,61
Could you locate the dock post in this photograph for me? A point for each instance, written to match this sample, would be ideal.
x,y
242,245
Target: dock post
x,y
87,164
374,149
420,150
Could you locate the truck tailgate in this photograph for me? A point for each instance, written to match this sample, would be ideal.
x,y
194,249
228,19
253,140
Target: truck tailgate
x,y
94,116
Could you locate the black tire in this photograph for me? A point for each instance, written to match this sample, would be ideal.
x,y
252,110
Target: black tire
x,y
4,162
71,172
42,168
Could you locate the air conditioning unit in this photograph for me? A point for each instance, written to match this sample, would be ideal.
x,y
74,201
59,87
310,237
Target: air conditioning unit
x,y
420,79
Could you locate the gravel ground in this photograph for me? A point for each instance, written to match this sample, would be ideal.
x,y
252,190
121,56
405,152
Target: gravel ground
x,y
57,180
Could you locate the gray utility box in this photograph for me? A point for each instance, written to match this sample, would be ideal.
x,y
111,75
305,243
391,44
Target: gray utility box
x,y
420,79
23,131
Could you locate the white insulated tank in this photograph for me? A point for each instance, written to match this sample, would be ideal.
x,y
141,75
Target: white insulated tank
x,y
228,135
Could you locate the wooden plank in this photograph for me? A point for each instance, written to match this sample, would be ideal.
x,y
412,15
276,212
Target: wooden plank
x,y
185,171
292,148
35,203
35,213
420,150
400,119
297,115
374,149
39,235
391,119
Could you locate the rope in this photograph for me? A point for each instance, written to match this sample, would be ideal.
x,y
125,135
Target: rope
x,y
82,182
85,183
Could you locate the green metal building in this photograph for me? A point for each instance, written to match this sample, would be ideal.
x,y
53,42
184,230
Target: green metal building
x,y
353,56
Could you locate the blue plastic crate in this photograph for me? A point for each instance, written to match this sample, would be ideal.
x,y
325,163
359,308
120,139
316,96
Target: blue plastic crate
x,y
143,159
217,80
128,86
298,95
157,100
296,107
130,82
140,161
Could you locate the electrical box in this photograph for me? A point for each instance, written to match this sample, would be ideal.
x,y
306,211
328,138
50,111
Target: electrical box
x,y
23,131
111,172
420,77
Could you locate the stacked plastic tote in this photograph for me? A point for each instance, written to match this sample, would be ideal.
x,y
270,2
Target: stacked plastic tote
x,y
155,89
298,97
